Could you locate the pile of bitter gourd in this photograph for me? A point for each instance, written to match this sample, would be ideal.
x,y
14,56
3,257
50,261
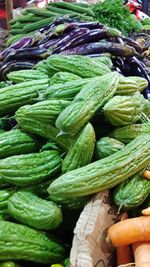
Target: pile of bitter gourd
x,y
80,128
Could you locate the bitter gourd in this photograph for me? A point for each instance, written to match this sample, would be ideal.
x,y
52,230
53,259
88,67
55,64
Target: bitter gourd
x,y
105,173
127,133
45,111
130,85
42,128
66,91
124,110
33,168
107,146
26,208
81,152
19,242
14,96
25,75
91,98
63,77
15,142
132,193
5,194
75,64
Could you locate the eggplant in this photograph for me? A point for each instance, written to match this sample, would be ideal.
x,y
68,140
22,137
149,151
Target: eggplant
x,y
50,43
16,65
27,54
90,36
138,68
102,47
65,41
56,22
130,42
22,43
89,25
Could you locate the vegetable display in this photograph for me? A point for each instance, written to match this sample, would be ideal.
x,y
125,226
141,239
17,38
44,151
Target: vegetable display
x,y
74,121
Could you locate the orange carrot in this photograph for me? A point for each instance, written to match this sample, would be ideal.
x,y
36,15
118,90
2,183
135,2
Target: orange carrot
x,y
146,174
146,211
142,254
130,231
124,253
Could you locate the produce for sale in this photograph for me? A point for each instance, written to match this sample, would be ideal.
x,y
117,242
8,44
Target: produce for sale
x,y
26,208
132,193
105,173
91,98
107,146
19,242
33,168
124,110
15,142
130,231
81,152
127,133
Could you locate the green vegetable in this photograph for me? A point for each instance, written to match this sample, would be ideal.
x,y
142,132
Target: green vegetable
x,y
42,128
14,96
19,242
91,98
15,142
124,110
63,77
81,152
67,90
33,168
45,111
105,173
107,146
26,208
25,75
75,64
127,133
76,203
132,193
130,85
114,14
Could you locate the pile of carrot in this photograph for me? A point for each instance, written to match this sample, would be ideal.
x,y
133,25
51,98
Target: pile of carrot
x,y
131,237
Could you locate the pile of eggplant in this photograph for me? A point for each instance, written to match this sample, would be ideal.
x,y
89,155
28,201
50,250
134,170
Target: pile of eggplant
x,y
67,36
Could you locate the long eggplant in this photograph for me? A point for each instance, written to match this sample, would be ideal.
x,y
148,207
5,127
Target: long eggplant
x,y
22,43
27,54
16,65
130,42
138,68
67,39
50,43
56,22
102,47
89,37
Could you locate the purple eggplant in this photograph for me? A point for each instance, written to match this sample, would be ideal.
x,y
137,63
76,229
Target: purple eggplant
x,y
56,22
130,42
89,25
102,47
16,65
88,37
50,43
22,43
67,39
138,68
27,54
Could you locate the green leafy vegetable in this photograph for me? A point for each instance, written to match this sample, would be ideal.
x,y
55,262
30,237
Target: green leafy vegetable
x,y
112,13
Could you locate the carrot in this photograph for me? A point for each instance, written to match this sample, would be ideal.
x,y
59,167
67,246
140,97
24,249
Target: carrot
x,y
146,174
146,211
130,231
142,254
124,253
